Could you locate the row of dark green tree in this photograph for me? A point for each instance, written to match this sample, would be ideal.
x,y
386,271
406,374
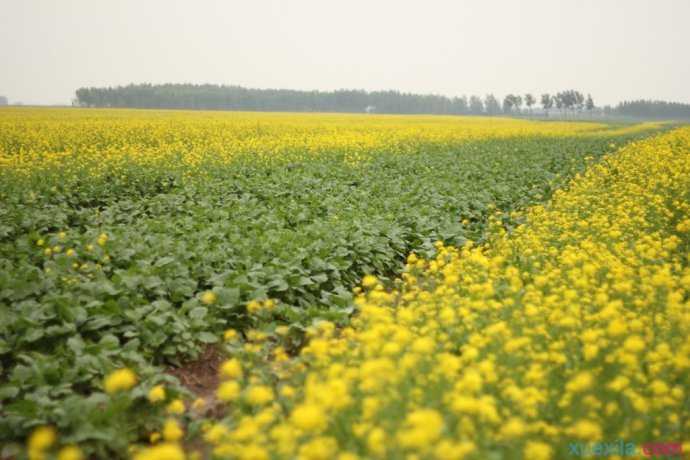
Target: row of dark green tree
x,y
218,97
222,97
654,109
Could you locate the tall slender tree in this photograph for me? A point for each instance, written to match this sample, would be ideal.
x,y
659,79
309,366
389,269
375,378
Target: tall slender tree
x,y
476,105
508,103
529,101
579,100
546,102
491,105
518,103
558,101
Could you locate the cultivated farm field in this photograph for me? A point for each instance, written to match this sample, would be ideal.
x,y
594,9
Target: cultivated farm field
x,y
358,286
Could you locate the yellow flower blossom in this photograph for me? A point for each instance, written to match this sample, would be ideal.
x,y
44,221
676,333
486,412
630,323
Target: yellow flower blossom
x,y
230,335
309,418
157,394
119,380
164,451
228,391
176,407
40,440
535,450
172,432
209,298
231,369
70,453
258,395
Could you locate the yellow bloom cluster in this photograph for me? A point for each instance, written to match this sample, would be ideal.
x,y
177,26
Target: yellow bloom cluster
x,y
42,440
574,327
163,451
119,380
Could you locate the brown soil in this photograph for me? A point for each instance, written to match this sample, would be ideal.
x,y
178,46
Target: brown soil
x,y
200,376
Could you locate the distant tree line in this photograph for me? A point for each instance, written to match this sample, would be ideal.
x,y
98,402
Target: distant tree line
x,y
218,97
222,97
654,109
3,100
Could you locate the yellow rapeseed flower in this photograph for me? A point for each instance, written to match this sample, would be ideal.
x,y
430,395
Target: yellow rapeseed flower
x,y
228,391
172,432
535,450
157,394
41,439
176,407
309,418
164,451
119,380
369,281
258,395
70,453
231,369
209,298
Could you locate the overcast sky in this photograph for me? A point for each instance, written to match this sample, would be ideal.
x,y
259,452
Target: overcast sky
x,y
614,49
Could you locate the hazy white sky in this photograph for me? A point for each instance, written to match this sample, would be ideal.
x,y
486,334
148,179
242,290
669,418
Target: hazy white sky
x,y
615,49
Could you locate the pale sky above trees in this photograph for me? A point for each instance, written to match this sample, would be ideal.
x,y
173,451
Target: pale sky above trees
x,y
613,49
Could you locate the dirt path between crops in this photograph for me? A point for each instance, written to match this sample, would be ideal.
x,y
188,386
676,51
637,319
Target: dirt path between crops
x,y
200,376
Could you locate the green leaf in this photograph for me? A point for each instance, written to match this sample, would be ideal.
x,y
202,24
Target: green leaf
x,y
198,312
207,337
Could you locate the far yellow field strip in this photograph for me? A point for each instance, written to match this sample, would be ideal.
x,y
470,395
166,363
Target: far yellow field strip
x,y
33,138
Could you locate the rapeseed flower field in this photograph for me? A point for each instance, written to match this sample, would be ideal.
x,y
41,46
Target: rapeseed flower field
x,y
572,328
378,286
105,141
